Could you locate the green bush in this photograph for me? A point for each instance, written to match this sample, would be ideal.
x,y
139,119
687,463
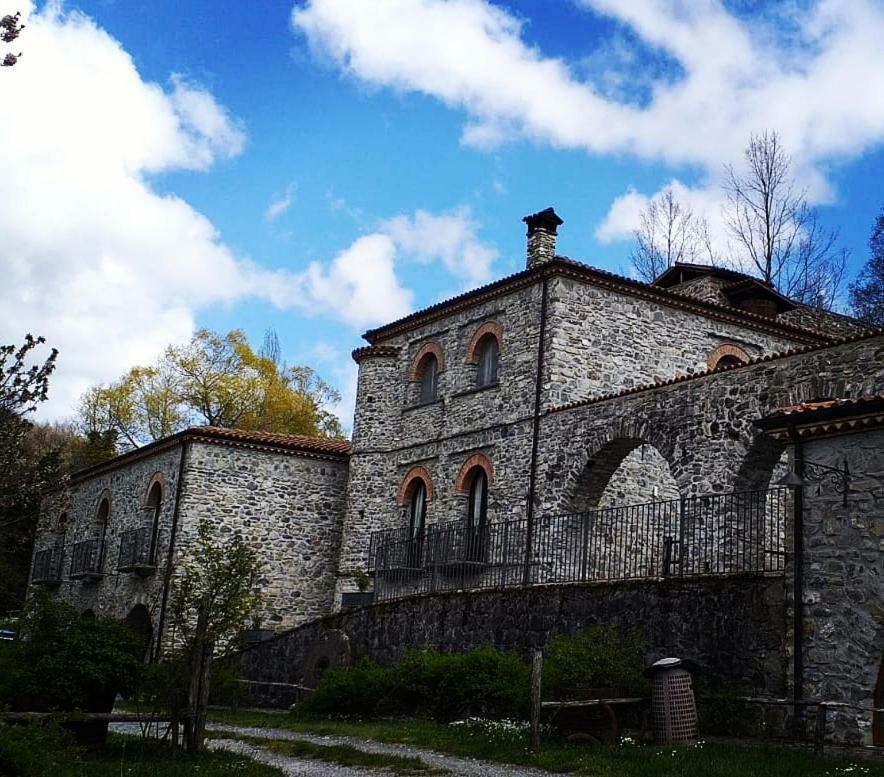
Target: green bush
x,y
34,751
597,657
427,684
62,661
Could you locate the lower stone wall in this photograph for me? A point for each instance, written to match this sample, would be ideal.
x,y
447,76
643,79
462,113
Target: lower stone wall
x,y
734,627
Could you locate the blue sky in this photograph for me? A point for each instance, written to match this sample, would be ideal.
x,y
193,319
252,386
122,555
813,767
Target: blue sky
x,y
322,167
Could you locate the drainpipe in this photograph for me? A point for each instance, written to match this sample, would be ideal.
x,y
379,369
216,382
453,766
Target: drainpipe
x,y
798,572
532,477
167,577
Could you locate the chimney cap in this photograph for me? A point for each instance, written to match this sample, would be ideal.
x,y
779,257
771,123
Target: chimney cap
x,y
546,219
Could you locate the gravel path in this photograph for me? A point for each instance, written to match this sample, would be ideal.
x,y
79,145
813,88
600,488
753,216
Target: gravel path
x,y
462,767
468,767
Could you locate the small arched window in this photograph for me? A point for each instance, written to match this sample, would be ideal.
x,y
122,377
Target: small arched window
x,y
477,515
728,361
155,506
429,378
488,353
101,520
727,355
417,509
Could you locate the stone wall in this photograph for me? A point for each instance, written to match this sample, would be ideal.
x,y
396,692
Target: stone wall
x,y
732,626
604,341
287,506
117,593
597,340
844,581
703,427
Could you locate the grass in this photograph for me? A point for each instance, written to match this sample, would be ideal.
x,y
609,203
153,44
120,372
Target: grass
x,y
597,761
343,755
29,753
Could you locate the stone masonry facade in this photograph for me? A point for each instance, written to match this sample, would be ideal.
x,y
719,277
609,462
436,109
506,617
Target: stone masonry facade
x,y
571,390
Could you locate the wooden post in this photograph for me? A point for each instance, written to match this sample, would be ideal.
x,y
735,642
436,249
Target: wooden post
x,y
536,674
819,739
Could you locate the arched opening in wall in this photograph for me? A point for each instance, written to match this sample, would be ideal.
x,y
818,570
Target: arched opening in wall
x,y
428,379
101,521
625,509
626,471
487,358
477,515
138,620
154,508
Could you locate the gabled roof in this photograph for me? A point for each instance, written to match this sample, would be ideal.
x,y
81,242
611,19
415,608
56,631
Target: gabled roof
x,y
564,266
682,272
295,444
749,288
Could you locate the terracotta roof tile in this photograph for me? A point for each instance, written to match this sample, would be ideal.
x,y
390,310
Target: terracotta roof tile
x,y
297,442
810,407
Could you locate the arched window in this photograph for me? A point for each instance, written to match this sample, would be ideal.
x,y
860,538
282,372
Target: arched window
x,y
101,520
155,506
417,517
727,355
488,352
477,515
429,372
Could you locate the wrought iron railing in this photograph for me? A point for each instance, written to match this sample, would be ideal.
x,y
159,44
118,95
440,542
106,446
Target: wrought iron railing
x,y
136,551
47,566
86,560
717,534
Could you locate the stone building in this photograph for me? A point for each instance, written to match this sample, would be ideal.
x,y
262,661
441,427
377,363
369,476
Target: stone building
x,y
112,541
567,445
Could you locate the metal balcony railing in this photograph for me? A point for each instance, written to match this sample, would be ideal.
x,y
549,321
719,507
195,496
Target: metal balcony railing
x,y
47,566
86,560
718,534
136,552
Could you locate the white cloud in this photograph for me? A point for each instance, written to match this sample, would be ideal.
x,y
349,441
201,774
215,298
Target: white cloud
x,y
360,286
280,204
449,237
816,85
93,258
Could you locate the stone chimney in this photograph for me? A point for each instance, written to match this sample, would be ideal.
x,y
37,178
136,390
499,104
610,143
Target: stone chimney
x,y
542,228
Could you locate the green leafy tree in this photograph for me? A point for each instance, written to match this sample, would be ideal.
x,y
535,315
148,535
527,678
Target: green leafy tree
x,y
63,661
867,292
215,599
214,380
26,470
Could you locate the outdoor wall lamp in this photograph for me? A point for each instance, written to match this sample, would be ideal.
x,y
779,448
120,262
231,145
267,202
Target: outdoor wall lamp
x,y
812,472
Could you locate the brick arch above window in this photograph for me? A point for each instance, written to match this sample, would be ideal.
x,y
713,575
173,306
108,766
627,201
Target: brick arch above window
x,y
415,371
474,462
722,351
408,482
157,477
488,328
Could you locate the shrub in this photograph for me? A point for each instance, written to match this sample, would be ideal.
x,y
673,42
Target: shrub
x,y
62,661
428,684
361,691
34,751
597,657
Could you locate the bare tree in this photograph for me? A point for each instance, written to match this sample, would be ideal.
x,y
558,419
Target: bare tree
x,y
777,232
669,232
867,291
10,29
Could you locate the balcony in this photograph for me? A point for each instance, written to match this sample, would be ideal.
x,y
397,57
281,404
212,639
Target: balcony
x,y
136,552
86,561
47,566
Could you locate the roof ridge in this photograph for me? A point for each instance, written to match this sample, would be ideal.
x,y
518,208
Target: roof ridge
x,y
560,263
